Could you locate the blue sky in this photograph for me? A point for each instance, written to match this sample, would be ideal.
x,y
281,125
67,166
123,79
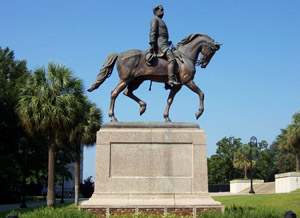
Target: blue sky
x,y
251,85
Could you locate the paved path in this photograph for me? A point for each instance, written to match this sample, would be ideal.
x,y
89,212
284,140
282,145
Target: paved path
x,y
225,194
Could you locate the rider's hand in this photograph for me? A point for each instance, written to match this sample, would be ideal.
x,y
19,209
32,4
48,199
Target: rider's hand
x,y
152,47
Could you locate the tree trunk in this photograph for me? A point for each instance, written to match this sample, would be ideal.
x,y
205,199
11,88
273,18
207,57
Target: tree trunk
x,y
77,172
51,171
245,173
297,160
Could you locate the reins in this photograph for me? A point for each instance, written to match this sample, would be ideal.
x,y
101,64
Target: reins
x,y
195,61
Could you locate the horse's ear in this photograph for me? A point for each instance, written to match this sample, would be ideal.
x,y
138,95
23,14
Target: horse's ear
x,y
217,46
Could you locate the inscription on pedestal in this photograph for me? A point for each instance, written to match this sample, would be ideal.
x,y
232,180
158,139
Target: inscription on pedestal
x,y
151,160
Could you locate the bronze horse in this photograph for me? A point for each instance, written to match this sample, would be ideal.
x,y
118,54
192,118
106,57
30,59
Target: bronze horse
x,y
133,71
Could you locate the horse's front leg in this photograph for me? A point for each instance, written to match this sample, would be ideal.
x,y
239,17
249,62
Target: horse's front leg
x,y
196,89
114,94
172,94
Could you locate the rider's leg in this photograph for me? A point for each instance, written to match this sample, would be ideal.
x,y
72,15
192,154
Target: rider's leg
x,y
171,68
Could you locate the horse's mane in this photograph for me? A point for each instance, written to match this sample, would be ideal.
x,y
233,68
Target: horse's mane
x,y
190,38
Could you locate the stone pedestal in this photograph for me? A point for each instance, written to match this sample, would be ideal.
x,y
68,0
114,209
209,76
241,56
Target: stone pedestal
x,y
151,167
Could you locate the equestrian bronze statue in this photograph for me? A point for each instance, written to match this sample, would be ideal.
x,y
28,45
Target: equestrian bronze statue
x,y
133,71
160,63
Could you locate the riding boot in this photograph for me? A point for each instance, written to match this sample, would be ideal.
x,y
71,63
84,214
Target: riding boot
x,y
171,68
171,76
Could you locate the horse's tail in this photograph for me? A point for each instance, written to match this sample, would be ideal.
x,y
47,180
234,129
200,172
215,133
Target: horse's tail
x,y
105,71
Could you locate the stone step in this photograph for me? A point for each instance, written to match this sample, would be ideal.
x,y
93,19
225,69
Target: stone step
x,y
264,188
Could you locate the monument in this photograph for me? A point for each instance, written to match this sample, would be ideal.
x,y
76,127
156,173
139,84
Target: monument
x,y
153,167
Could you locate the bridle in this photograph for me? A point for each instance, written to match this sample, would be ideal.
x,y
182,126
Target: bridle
x,y
196,62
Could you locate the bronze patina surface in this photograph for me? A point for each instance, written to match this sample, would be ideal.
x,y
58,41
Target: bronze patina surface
x,y
133,69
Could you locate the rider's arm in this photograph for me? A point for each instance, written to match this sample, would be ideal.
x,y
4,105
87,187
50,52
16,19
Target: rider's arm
x,y
153,32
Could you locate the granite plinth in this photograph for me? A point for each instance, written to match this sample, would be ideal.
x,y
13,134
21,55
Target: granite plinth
x,y
151,165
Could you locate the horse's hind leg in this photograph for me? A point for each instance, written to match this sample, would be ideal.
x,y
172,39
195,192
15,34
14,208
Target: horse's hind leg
x,y
114,94
172,94
128,92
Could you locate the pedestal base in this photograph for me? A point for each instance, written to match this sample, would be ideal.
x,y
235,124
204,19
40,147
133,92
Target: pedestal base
x,y
158,168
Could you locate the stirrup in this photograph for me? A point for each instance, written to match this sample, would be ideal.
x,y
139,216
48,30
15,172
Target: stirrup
x,y
173,82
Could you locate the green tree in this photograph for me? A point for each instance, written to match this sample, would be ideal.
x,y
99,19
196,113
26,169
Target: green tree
x,y
220,165
283,154
84,133
289,142
265,158
293,136
12,74
49,102
87,187
241,159
215,170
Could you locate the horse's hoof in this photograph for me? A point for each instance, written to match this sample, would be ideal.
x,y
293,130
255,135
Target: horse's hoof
x,y
168,119
113,120
198,114
142,109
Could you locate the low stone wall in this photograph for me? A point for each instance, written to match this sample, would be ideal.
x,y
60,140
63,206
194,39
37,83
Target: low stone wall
x,y
287,182
237,186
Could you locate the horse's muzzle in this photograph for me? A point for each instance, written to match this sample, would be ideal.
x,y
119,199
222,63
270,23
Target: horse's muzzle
x,y
203,65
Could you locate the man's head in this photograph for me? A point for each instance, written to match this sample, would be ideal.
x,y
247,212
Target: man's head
x,y
158,11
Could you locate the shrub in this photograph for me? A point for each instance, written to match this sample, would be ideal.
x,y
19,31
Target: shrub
x,y
49,212
87,187
244,212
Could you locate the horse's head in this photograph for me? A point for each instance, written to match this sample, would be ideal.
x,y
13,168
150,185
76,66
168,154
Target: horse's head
x,y
207,52
197,43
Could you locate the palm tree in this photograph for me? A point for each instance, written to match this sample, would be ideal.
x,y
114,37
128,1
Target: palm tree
x,y
241,159
289,139
293,136
49,101
84,133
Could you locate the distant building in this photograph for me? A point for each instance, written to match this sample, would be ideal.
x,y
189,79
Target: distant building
x,y
69,185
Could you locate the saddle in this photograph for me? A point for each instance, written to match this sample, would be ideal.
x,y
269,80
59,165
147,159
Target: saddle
x,y
150,57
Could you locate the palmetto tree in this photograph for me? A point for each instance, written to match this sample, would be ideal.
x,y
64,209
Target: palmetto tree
x,y
49,101
84,133
293,136
241,159
289,139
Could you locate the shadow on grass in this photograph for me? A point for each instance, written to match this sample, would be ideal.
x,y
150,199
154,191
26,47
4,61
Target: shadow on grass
x,y
5,213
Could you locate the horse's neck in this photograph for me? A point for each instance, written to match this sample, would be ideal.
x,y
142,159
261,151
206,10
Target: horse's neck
x,y
192,49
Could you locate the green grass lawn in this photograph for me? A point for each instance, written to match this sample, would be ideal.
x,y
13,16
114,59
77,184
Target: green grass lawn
x,y
280,202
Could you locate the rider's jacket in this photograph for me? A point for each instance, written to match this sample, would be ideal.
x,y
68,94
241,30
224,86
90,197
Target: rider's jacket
x,y
159,35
